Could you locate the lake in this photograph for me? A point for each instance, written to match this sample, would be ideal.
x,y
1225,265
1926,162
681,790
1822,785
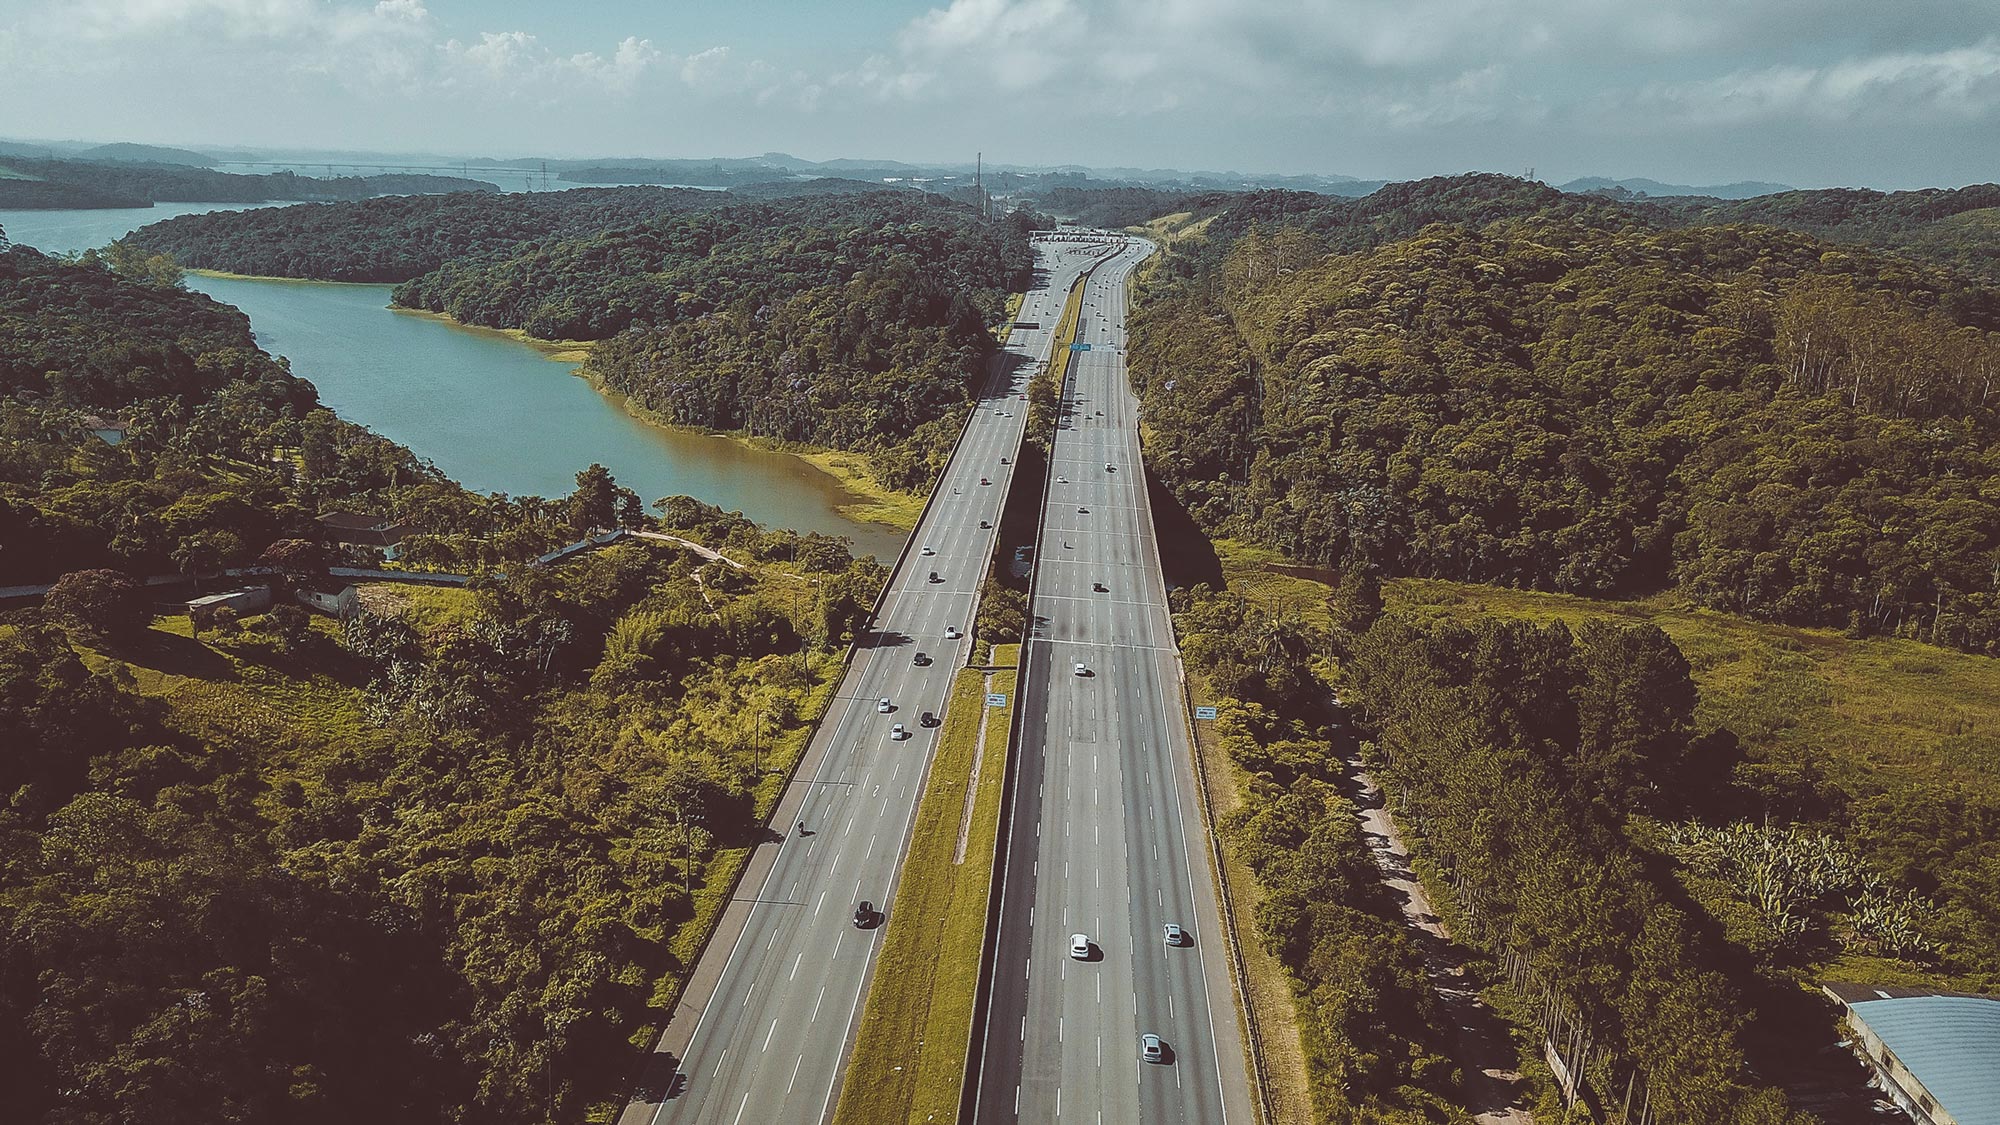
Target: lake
x,y
495,414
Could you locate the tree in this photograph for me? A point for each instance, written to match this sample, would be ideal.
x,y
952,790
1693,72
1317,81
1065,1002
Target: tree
x,y
206,551
1635,716
106,602
299,559
1354,605
594,504
292,625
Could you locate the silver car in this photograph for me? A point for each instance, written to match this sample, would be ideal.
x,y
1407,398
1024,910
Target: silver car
x,y
1152,1049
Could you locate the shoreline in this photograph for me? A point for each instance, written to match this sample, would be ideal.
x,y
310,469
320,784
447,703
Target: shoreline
x,y
868,500
873,502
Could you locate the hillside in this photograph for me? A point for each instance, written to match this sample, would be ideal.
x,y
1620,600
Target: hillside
x,y
1950,227
193,483
124,152
1555,396
850,321
142,184
396,238
1741,189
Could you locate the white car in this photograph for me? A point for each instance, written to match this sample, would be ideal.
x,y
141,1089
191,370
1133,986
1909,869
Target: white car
x,y
882,706
951,633
1062,480
1174,935
1079,946
1152,1049
1080,670
929,550
897,733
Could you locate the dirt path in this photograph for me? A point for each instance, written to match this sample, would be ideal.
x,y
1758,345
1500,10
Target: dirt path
x,y
1495,1094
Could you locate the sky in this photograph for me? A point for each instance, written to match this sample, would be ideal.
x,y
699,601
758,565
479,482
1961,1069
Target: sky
x,y
1881,93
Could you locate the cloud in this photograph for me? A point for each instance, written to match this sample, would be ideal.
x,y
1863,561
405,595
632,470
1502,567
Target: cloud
x,y
1902,86
1416,65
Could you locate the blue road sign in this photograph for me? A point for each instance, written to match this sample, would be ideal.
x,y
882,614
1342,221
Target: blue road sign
x,y
1204,712
1079,347
996,700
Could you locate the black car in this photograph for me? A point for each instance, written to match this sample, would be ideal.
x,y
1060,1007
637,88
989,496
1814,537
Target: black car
x,y
922,659
1100,587
864,914
929,720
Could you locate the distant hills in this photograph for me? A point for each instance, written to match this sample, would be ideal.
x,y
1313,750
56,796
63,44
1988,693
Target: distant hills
x,y
123,153
1742,189
75,184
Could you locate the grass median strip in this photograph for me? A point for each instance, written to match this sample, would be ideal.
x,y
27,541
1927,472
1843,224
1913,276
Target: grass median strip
x,y
909,1056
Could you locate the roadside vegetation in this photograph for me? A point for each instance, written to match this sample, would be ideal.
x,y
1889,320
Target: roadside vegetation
x,y
444,860
1810,807
909,1055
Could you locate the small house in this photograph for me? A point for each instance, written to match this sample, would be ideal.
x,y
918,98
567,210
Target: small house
x,y
329,598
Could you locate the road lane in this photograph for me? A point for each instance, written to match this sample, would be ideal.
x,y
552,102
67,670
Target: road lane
x,y
787,973
1104,833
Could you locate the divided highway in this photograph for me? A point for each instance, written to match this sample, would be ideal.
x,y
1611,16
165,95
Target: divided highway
x,y
765,1028
1106,838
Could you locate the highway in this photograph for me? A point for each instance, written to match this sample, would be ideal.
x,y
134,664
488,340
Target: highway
x,y
1105,833
765,1029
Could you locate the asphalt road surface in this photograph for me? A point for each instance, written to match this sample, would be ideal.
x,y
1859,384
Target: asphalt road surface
x,y
1106,838
771,1041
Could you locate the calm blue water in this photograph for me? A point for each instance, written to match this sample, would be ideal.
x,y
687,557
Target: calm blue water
x,y
494,414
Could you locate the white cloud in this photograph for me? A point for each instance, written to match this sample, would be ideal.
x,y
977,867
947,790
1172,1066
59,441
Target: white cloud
x,y
1903,86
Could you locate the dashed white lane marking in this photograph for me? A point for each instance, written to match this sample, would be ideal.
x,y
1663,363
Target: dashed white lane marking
x,y
768,1034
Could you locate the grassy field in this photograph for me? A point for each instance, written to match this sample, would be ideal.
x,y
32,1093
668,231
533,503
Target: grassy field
x,y
240,686
877,503
1881,708
909,1056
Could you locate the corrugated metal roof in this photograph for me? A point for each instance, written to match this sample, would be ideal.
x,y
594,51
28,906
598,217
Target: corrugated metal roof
x,y
1952,1045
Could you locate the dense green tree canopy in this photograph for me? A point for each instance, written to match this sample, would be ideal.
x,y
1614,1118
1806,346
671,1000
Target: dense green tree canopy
x,y
1549,393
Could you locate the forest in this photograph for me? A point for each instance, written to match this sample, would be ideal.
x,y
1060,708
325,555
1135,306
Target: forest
x,y
1957,227
1484,380
59,184
1633,868
194,483
395,238
852,321
445,858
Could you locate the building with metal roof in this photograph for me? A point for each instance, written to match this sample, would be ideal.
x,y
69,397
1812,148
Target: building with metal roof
x,y
1937,1054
